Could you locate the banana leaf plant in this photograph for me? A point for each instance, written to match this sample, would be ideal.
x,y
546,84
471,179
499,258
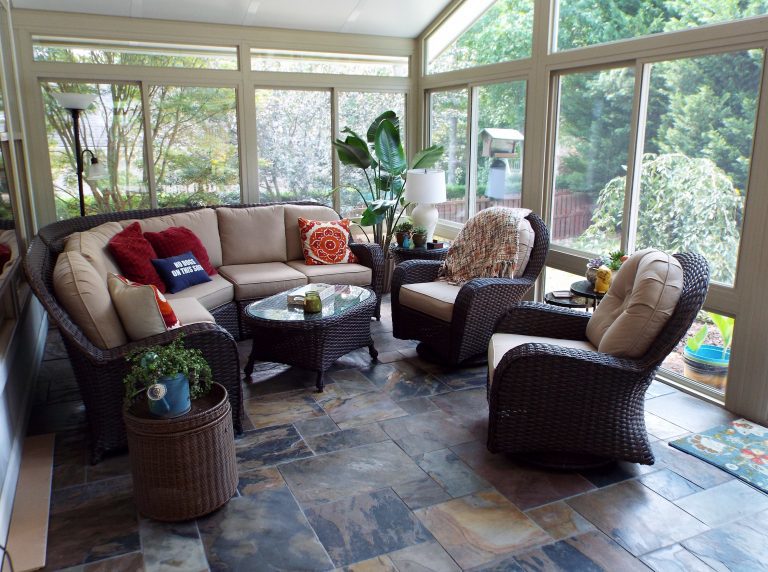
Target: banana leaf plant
x,y
382,159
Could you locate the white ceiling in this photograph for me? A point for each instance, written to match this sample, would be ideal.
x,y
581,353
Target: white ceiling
x,y
403,18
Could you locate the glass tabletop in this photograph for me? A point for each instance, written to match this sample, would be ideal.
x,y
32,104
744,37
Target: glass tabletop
x,y
277,308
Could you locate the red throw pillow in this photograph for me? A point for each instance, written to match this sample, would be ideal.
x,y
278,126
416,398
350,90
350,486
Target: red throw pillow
x,y
134,255
179,240
5,255
325,242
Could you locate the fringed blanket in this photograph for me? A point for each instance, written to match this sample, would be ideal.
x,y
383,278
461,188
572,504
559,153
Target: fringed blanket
x,y
486,247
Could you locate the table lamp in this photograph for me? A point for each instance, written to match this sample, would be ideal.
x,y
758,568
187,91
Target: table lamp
x,y
425,187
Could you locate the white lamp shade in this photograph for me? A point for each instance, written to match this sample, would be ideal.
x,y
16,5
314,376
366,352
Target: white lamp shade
x,y
96,171
75,100
425,186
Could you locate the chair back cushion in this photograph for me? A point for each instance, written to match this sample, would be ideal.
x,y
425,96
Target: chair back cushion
x,y
526,237
640,301
252,235
292,213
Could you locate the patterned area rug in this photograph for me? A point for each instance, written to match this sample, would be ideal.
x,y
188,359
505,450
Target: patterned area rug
x,y
740,448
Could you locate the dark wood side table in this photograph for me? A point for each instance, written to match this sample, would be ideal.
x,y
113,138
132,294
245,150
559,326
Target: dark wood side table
x,y
584,289
572,302
402,254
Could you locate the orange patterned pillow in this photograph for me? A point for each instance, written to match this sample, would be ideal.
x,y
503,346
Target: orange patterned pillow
x,y
142,308
325,242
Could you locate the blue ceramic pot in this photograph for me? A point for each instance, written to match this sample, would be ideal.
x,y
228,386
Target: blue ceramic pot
x,y
169,397
708,365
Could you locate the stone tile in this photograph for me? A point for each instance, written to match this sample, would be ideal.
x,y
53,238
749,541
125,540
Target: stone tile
x,y
420,493
525,486
68,475
391,356
690,413
349,471
272,378
417,405
384,342
64,393
739,546
464,378
695,470
358,528
361,409
55,417
347,438
425,557
56,371
378,564
80,496
269,446
661,428
669,484
54,346
674,558
265,531
351,382
723,503
259,480
592,551
316,426
402,381
470,405
105,529
172,547
450,472
616,472
110,467
559,520
425,432
132,562
658,388
480,528
282,408
631,514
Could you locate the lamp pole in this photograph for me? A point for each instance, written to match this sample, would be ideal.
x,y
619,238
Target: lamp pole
x,y
78,159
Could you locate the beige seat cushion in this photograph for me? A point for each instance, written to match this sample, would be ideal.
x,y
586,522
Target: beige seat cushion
x,y
355,274
202,222
211,294
252,235
292,214
525,238
435,299
259,280
92,244
640,301
500,344
82,290
190,311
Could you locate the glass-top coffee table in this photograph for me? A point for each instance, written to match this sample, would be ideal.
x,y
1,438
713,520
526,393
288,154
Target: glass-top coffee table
x,y
286,334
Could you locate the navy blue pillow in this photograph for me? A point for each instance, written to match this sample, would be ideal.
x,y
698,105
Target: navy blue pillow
x,y
180,272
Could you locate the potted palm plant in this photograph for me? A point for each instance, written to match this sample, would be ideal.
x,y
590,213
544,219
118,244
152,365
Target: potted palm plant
x,y
708,363
172,376
381,158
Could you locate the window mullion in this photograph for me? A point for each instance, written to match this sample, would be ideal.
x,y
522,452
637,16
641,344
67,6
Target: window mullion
x,y
148,147
472,127
335,168
635,155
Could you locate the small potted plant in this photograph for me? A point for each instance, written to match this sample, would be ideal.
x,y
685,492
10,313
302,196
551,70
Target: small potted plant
x,y
403,233
419,236
708,363
616,259
172,376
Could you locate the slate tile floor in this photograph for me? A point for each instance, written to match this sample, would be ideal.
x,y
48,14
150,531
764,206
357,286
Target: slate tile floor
x,y
388,471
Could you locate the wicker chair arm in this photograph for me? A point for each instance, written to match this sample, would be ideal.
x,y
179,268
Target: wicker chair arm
x,y
545,320
569,359
372,256
413,272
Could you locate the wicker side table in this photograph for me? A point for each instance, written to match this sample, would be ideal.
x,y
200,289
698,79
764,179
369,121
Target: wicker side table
x,y
402,254
185,467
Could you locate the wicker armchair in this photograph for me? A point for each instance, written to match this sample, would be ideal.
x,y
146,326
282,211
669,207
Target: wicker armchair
x,y
569,407
478,306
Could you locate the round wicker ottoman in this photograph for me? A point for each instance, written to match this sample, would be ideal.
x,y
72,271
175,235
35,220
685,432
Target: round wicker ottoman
x,y
185,467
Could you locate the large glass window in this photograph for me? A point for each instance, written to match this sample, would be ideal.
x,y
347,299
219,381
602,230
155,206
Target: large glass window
x,y
448,127
357,110
499,158
581,23
593,127
111,128
323,62
194,145
480,33
293,129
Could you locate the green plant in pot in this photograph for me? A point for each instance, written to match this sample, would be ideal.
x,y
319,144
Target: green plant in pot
x,y
381,158
419,236
403,233
708,363
172,376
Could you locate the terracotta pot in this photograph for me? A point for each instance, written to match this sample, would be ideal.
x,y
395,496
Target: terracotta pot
x,y
419,240
707,365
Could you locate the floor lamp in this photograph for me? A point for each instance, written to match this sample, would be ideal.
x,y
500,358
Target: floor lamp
x,y
76,103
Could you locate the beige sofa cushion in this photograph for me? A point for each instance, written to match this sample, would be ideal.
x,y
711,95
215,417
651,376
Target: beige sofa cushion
x,y
292,214
525,238
203,222
82,291
638,304
252,235
211,294
500,344
190,311
435,299
260,280
92,244
355,274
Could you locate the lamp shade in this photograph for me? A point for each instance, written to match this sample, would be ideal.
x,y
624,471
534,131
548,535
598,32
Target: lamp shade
x,y
75,100
425,186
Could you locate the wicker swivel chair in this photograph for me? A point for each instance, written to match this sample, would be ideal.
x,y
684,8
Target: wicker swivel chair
x,y
463,339
563,406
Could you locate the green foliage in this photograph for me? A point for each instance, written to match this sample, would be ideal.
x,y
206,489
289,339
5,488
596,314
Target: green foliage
x,y
724,325
419,230
614,259
149,364
405,226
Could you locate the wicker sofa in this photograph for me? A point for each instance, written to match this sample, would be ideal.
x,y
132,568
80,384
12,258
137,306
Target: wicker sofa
x,y
256,251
